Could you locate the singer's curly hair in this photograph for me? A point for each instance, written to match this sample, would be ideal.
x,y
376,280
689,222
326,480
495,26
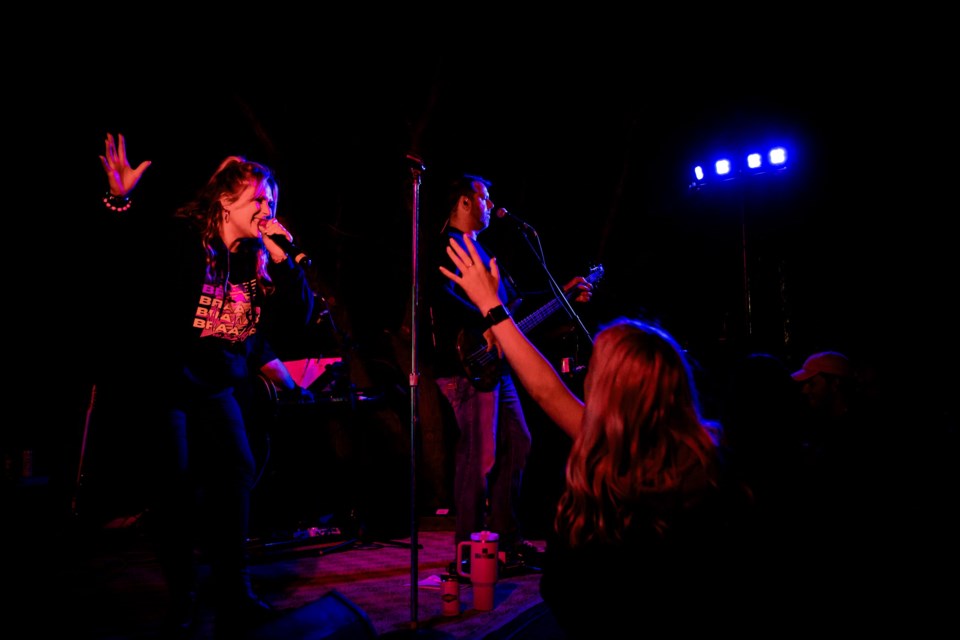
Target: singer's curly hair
x,y
233,175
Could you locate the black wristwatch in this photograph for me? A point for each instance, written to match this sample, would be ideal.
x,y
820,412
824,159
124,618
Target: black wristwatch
x,y
496,315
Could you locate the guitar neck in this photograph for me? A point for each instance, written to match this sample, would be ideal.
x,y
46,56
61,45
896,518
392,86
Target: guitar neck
x,y
483,366
525,325
541,314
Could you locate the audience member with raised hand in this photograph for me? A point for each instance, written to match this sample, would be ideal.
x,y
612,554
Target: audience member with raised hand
x,y
645,521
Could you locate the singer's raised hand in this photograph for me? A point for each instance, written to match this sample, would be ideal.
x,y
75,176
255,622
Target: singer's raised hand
x,y
121,176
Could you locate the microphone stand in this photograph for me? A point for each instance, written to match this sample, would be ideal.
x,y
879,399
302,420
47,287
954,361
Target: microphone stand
x,y
416,169
558,291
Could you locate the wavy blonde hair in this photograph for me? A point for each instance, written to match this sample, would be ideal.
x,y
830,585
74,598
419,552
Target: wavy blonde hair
x,y
643,437
233,175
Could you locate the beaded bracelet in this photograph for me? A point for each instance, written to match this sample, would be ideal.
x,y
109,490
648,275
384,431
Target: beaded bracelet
x,y
116,203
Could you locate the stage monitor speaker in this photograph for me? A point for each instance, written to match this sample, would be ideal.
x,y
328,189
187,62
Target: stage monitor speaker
x,y
332,617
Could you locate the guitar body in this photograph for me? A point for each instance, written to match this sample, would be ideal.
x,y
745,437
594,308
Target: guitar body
x,y
484,368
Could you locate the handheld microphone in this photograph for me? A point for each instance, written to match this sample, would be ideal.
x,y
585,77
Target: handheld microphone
x,y
299,256
503,213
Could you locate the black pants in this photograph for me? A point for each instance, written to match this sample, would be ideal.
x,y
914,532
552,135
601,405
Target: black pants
x,y
206,472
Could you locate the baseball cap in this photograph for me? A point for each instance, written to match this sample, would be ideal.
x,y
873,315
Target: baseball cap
x,y
829,362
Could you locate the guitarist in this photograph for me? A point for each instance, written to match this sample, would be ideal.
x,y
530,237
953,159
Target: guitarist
x,y
494,441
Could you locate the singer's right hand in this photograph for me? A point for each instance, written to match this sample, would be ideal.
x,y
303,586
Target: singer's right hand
x,y
121,176
273,233
271,226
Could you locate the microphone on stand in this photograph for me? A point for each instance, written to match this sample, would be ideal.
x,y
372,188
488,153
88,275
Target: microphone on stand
x,y
299,256
503,213
416,162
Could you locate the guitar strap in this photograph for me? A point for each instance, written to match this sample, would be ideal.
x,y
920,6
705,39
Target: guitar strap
x,y
513,291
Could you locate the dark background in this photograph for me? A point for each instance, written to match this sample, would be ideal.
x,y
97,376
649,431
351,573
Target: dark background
x,y
847,249
595,156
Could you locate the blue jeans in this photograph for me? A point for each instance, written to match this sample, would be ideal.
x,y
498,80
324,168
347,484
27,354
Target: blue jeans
x,y
490,456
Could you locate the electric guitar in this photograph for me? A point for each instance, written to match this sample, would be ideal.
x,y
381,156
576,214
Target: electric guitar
x,y
483,367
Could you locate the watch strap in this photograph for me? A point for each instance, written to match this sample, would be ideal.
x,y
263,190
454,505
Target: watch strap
x,y
496,315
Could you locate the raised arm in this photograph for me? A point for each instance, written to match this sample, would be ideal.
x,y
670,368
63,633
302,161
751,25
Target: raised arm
x,y
121,176
534,371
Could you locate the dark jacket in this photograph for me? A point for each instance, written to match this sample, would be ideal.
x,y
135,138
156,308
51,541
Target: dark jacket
x,y
453,319
156,312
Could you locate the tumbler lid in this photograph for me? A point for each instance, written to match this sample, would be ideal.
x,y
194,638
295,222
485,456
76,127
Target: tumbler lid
x,y
484,536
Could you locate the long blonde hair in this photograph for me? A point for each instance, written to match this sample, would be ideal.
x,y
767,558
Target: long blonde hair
x,y
643,436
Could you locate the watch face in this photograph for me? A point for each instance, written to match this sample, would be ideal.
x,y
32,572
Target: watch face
x,y
496,315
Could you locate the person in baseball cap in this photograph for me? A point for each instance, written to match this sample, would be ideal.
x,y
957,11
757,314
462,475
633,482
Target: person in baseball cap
x,y
831,363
